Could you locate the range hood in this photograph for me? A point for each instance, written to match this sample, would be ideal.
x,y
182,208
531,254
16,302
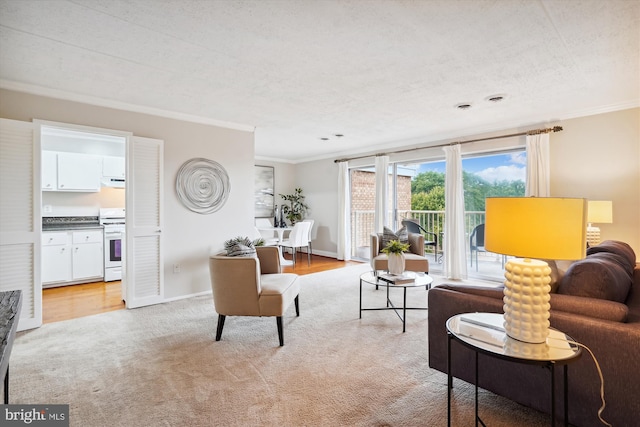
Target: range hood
x,y
113,182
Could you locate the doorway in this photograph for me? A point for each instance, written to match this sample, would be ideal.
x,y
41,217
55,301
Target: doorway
x,y
83,173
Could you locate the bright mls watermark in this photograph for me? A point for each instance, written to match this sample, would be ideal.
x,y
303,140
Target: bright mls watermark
x,y
35,415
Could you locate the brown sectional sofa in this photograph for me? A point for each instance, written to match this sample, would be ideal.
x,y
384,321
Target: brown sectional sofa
x,y
597,303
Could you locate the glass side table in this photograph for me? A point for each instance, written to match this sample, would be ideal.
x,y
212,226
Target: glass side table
x,y
484,333
420,279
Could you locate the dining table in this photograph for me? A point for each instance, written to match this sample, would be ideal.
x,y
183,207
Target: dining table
x,y
280,231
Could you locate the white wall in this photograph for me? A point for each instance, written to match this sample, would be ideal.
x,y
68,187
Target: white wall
x,y
595,157
319,182
188,237
598,158
64,203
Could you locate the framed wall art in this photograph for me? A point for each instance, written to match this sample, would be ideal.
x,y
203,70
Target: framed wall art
x,y
264,194
202,185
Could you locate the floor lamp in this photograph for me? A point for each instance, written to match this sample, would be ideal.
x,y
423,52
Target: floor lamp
x,y
533,227
600,212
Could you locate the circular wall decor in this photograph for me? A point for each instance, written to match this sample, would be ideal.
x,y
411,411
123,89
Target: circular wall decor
x,y
202,185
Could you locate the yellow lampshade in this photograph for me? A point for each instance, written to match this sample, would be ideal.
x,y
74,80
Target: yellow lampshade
x,y
600,211
536,227
533,227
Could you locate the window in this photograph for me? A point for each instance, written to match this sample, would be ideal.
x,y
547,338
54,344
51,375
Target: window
x,y
417,191
363,200
494,175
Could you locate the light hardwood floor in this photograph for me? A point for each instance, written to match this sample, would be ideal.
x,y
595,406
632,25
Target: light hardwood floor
x,y
70,302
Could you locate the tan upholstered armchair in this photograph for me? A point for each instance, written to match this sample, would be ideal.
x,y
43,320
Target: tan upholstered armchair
x,y
415,260
248,286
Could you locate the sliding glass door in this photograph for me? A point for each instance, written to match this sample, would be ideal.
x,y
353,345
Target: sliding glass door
x,y
416,191
494,175
420,195
363,202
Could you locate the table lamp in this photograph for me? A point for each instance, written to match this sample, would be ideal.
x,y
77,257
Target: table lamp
x,y
533,227
601,212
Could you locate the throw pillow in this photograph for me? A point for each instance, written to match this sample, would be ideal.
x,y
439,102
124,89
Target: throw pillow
x,y
597,276
388,235
240,246
241,250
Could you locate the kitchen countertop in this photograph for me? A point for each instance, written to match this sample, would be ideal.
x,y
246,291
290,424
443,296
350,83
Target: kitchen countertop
x,y
58,223
71,227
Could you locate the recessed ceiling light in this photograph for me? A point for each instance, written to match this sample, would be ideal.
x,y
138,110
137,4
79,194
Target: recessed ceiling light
x,y
496,98
463,106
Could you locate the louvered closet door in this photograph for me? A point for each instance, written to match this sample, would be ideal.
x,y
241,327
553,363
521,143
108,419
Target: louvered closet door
x,y
143,262
20,220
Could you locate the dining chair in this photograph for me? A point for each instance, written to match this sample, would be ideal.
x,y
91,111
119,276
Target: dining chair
x,y
311,222
298,238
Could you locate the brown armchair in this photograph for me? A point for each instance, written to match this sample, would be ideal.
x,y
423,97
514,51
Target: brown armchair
x,y
248,286
415,260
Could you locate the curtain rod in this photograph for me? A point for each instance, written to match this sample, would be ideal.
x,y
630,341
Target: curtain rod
x,y
530,132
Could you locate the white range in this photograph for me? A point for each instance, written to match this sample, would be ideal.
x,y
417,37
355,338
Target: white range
x,y
113,220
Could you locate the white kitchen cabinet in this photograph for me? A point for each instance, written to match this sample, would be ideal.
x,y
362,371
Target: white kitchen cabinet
x,y
113,167
72,256
87,258
79,172
56,257
49,175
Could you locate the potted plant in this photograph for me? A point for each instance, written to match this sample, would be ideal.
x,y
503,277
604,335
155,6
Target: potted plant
x,y
296,209
242,246
395,252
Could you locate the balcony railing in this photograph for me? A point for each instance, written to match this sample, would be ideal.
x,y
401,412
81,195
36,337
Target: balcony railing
x,y
362,225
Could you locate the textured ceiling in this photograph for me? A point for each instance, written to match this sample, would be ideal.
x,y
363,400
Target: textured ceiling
x,y
382,73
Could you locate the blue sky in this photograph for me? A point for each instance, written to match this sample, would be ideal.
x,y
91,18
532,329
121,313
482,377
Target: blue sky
x,y
499,167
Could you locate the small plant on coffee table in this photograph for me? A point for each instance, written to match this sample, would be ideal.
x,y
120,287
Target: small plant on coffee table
x,y
395,253
395,247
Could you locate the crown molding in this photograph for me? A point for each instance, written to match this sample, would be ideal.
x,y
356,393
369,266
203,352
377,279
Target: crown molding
x,y
118,105
276,160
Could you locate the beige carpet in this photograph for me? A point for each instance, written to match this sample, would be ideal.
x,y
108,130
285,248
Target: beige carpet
x,y
161,366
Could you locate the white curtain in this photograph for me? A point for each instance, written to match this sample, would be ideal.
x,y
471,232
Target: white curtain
x,y
455,241
382,191
344,209
537,165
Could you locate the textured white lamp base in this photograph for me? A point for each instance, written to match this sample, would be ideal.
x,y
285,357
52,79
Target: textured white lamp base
x,y
527,350
593,235
526,300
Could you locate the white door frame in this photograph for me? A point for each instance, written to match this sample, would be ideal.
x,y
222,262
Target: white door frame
x,y
20,217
